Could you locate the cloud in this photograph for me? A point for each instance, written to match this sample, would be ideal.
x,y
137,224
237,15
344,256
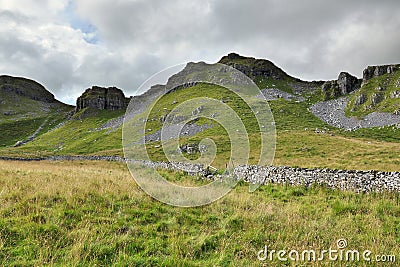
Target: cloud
x,y
70,45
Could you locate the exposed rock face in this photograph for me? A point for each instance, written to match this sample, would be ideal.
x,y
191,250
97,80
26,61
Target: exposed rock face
x,y
25,87
360,99
330,89
110,98
346,83
395,94
376,71
376,98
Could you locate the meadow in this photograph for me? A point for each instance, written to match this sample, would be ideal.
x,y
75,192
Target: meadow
x,y
80,213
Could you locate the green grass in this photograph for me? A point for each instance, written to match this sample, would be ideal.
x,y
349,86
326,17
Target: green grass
x,y
11,132
93,213
283,85
21,116
19,130
391,83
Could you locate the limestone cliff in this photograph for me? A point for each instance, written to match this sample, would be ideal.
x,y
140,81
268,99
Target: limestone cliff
x,y
110,98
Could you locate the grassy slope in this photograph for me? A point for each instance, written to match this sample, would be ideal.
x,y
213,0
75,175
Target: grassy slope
x,y
217,133
93,213
25,116
390,82
77,136
297,142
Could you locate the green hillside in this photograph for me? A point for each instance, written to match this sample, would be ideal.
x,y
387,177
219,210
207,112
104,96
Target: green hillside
x,y
26,108
78,135
380,94
302,138
297,142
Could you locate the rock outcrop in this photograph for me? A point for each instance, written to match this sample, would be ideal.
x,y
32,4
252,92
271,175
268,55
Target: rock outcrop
x,y
376,71
345,84
110,98
25,87
254,67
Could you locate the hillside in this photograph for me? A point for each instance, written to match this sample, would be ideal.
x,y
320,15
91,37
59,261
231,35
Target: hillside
x,y
27,108
303,139
380,92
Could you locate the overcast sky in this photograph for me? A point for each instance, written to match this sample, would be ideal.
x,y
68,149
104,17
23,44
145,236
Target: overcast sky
x,y
70,45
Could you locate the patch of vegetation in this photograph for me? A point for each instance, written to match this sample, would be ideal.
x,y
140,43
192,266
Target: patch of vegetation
x,y
283,85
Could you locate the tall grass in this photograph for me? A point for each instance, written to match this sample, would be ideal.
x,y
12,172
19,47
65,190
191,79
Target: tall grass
x,y
93,213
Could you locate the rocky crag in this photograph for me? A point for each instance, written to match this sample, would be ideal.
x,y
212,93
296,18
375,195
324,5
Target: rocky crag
x,y
254,67
345,84
376,71
267,75
110,98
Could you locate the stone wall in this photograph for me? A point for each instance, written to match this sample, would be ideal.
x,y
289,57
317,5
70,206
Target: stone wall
x,y
358,181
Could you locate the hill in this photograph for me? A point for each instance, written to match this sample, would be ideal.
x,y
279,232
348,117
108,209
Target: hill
x,y
27,109
73,213
303,139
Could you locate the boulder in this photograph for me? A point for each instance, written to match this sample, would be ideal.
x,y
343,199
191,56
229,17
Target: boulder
x,y
360,99
395,94
189,148
376,98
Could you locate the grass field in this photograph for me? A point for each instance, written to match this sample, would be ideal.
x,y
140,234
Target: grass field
x,y
94,214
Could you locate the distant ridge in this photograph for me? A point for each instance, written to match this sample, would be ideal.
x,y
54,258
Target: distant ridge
x,y
25,87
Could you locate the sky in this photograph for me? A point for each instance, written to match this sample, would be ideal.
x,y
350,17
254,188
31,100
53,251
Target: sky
x,y
71,45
